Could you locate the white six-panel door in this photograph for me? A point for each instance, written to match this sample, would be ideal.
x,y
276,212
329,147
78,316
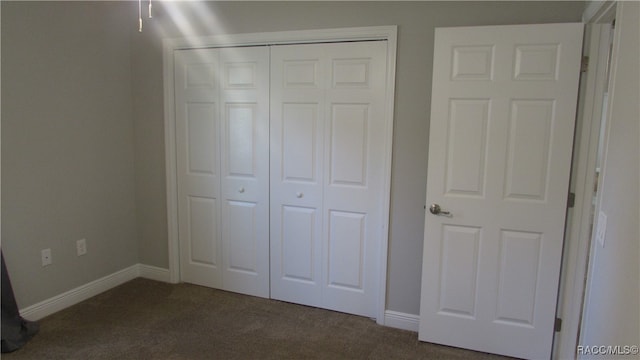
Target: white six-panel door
x,y
501,133
222,140
327,175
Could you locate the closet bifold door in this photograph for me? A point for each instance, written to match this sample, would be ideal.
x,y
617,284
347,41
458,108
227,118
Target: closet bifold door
x,y
222,140
327,180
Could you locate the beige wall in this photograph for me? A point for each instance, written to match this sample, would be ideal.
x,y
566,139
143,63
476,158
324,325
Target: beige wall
x,y
612,312
67,144
83,128
416,22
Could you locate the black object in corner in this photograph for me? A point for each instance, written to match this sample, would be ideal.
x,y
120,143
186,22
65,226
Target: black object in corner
x,y
16,331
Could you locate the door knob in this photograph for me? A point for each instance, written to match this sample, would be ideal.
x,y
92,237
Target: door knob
x,y
435,209
241,190
299,194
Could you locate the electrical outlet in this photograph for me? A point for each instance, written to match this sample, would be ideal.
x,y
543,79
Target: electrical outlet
x,y
81,247
46,257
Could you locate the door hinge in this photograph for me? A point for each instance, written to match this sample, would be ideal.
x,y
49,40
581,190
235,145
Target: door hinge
x,y
584,65
571,201
558,325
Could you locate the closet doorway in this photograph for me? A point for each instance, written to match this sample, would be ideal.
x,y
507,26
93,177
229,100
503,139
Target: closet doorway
x,y
278,164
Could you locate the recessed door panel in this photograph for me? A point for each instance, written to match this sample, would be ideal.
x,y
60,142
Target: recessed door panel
x,y
241,145
199,75
536,62
300,73
201,151
459,270
346,250
467,147
241,237
351,73
518,277
202,231
299,142
472,63
298,243
349,143
530,131
240,75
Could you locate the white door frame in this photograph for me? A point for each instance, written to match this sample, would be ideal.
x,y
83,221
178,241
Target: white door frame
x,y
579,219
388,33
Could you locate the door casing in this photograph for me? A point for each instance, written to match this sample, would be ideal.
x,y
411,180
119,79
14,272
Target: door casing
x,y
388,33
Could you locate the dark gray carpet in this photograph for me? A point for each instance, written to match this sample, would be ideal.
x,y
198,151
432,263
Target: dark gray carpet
x,y
145,319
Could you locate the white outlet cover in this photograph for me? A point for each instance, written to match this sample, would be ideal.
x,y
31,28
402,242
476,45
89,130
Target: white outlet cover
x,y
81,247
47,259
601,228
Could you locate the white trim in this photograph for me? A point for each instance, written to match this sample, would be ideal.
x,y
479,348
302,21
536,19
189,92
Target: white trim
x,y
282,37
578,237
394,319
596,9
81,293
578,240
384,241
154,273
613,69
402,321
388,33
60,302
171,163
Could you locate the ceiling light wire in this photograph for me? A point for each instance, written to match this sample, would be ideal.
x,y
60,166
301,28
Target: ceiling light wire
x,y
139,15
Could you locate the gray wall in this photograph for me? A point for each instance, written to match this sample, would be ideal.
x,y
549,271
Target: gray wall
x,y
83,128
612,313
416,22
67,144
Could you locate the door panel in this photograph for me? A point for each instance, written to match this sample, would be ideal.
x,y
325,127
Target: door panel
x,y
353,176
327,106
298,235
202,230
222,153
501,133
346,250
349,123
467,147
297,167
198,163
299,142
241,129
244,96
518,276
459,270
530,126
201,128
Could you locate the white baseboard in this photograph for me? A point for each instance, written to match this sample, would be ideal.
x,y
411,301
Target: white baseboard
x,y
52,305
154,273
84,292
402,321
81,293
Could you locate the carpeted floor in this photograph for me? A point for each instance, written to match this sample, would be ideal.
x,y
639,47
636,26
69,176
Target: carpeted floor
x,y
145,319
